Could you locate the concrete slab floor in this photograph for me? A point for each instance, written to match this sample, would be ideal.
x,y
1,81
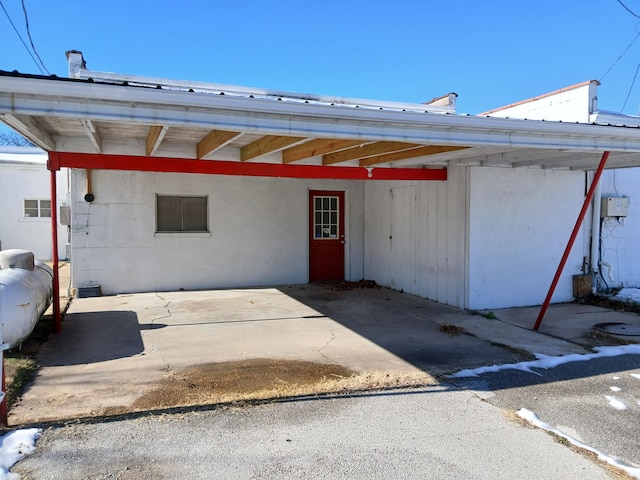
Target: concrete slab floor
x,y
569,323
114,349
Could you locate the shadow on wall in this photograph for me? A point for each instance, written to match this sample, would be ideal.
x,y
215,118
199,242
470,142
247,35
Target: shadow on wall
x,y
92,337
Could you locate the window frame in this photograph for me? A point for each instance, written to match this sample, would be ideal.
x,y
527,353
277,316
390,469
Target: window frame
x,y
39,208
185,231
329,213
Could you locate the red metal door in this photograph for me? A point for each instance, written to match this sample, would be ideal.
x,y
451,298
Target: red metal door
x,y
326,235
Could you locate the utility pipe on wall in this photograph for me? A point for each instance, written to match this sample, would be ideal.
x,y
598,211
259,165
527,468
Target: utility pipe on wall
x,y
595,234
572,238
89,196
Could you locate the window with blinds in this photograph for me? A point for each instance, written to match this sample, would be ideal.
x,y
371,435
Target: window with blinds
x,y
181,214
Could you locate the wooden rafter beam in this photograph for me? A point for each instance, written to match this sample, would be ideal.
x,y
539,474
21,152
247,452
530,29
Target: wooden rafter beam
x,y
92,132
214,140
30,129
369,150
154,138
411,153
467,157
316,147
268,144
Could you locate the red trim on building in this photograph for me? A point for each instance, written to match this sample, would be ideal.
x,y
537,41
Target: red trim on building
x,y
252,169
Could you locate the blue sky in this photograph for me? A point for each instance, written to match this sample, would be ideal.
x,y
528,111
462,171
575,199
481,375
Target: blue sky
x,y
491,53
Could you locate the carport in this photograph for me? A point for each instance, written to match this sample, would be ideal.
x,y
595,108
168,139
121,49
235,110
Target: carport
x,y
102,122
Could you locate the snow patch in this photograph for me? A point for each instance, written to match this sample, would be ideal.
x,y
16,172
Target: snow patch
x,y
616,403
635,375
548,361
14,446
532,418
615,389
617,378
629,294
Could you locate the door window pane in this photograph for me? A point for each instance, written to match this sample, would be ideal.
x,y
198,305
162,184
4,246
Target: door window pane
x,y
326,217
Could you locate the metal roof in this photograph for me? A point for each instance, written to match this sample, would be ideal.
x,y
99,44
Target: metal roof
x,y
129,115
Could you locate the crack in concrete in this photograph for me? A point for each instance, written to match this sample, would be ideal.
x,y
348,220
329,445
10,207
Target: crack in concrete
x,y
373,312
153,323
166,307
320,350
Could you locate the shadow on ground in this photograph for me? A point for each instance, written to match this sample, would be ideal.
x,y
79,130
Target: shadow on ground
x,y
407,326
92,337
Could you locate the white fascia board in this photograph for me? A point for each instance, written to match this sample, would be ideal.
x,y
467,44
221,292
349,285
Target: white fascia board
x,y
100,102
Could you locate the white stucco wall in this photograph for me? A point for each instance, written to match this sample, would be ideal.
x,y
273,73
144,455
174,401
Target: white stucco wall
x,y
620,246
258,232
415,236
485,238
520,222
23,175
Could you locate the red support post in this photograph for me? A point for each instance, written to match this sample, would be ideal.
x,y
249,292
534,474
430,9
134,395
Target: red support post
x,y
57,320
572,239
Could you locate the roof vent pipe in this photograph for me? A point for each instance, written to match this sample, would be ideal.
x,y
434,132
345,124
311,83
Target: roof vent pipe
x,y
76,62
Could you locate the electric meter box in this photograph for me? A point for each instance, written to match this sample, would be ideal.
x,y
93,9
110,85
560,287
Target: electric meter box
x,y
614,207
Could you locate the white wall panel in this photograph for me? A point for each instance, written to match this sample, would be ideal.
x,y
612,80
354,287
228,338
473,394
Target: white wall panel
x,y
415,236
620,238
17,183
485,238
258,232
520,222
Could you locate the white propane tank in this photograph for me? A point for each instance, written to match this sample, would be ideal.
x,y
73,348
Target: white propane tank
x,y
26,289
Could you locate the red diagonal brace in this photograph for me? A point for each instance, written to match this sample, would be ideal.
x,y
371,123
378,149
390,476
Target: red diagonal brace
x,y
572,239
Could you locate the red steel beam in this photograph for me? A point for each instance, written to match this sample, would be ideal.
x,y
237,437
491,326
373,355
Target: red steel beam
x,y
572,239
253,169
57,320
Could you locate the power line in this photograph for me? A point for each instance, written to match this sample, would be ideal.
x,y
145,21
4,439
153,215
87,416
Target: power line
x,y
26,21
628,9
621,55
631,87
20,37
